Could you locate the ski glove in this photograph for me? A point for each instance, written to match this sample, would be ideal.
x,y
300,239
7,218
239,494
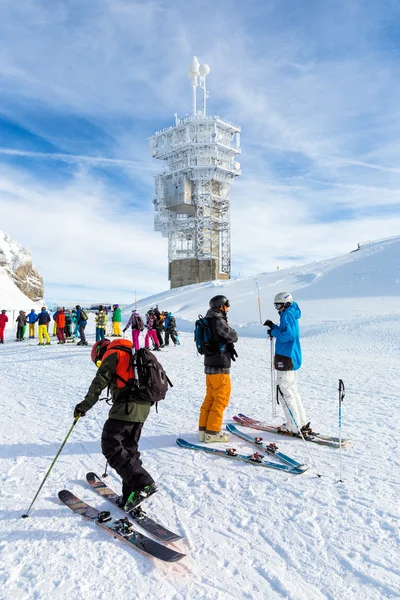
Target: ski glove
x,y
269,324
231,351
78,411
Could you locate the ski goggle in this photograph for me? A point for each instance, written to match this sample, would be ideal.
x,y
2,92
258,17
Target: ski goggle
x,y
279,305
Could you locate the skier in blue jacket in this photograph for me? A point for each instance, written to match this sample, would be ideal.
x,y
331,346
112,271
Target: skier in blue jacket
x,y
287,362
32,318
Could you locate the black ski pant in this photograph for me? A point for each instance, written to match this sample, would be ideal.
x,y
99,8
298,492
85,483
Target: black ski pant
x,y
119,443
160,337
173,338
82,333
20,332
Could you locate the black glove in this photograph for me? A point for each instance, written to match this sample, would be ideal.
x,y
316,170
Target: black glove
x,y
269,332
78,412
231,351
269,324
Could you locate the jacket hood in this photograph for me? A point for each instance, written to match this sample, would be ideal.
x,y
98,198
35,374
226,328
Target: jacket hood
x,y
215,312
294,309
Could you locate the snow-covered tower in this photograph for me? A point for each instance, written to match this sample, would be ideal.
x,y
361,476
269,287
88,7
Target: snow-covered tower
x,y
192,194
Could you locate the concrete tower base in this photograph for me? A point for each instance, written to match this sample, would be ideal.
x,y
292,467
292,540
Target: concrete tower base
x,y
187,271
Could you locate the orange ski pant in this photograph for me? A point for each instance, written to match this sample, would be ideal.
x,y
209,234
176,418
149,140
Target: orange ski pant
x,y
218,393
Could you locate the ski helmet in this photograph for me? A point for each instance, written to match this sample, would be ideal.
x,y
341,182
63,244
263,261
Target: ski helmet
x,y
218,301
115,305
98,350
282,300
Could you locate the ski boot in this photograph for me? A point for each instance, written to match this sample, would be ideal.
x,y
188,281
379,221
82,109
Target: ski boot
x,y
219,436
136,497
307,431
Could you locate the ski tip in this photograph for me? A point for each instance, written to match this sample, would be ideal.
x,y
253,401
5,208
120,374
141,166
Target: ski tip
x,y
181,442
91,476
63,494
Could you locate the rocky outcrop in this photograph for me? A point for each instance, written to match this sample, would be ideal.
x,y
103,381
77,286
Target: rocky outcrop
x,y
17,262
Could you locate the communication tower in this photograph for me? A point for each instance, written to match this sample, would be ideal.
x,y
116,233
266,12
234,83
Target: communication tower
x,y
192,194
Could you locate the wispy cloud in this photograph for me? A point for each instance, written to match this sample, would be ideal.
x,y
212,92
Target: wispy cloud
x,y
79,159
314,86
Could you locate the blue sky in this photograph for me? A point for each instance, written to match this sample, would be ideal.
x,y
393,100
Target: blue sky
x,y
314,86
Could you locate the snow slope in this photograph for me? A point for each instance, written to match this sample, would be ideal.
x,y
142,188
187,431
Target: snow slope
x,y
369,279
11,298
250,532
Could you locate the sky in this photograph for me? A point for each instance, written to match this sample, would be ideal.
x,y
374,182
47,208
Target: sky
x,y
83,85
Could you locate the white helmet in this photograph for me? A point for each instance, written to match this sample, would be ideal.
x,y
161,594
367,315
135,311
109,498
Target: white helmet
x,y
283,298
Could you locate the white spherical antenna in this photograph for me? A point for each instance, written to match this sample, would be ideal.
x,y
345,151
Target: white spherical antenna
x,y
204,70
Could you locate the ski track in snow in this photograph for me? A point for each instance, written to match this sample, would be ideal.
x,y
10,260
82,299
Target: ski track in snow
x,y
250,532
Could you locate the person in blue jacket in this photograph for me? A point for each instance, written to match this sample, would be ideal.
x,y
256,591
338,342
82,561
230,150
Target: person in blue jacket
x,y
32,318
287,362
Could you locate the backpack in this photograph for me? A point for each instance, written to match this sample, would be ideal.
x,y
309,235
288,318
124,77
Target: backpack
x,y
84,316
203,337
139,323
172,323
140,376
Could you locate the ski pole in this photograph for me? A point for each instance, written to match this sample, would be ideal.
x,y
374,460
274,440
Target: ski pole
x,y
273,399
259,302
105,474
51,466
341,398
301,435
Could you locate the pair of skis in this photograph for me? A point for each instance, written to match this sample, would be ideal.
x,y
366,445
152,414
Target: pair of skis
x,y
123,528
316,438
286,465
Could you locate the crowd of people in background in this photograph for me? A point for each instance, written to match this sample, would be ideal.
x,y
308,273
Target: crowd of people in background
x,y
158,327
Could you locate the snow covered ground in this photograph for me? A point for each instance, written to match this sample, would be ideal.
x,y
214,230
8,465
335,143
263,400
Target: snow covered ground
x,y
250,532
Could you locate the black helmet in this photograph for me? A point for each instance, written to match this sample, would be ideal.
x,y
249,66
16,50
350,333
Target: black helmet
x,y
219,301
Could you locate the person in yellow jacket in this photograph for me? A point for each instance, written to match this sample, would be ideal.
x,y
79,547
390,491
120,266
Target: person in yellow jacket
x,y
217,367
101,323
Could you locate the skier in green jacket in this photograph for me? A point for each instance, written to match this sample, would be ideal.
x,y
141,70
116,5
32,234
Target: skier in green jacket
x,y
122,430
116,321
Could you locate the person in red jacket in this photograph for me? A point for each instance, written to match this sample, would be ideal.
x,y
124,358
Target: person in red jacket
x,y
3,321
59,318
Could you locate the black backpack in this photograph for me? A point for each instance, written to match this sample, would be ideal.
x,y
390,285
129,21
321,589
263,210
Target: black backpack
x,y
203,337
151,381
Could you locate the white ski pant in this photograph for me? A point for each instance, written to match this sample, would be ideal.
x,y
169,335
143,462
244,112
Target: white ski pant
x,y
288,396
